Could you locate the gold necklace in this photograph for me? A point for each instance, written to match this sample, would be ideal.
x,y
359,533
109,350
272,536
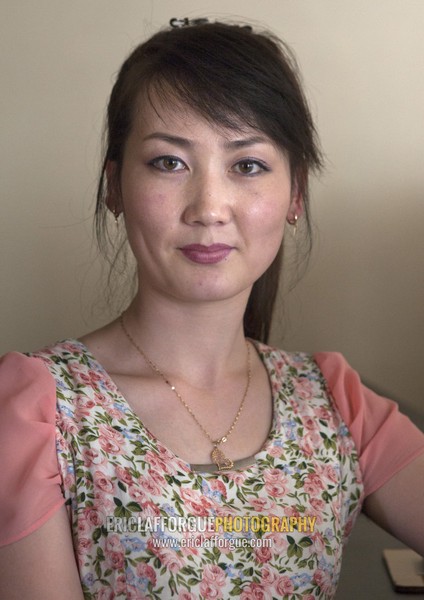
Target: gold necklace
x,y
218,457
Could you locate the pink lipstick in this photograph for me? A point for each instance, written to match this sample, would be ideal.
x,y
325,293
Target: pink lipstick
x,y
206,255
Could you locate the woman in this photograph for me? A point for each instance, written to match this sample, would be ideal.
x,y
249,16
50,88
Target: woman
x,y
191,459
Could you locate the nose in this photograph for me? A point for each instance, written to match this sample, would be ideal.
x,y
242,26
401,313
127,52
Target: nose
x,y
208,202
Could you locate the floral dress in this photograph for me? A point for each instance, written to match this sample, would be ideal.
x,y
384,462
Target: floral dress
x,y
147,525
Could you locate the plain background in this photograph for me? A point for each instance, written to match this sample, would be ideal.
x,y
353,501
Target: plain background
x,y
363,68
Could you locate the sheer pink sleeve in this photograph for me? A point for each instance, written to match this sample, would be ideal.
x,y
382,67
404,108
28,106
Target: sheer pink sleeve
x,y
386,439
29,475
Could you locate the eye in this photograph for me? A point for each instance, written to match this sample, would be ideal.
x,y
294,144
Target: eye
x,y
249,166
168,163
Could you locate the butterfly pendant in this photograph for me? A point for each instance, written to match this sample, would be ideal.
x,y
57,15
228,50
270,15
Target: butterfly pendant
x,y
222,462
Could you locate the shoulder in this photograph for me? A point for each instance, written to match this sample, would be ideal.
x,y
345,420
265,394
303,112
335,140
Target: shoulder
x,y
359,405
27,391
29,383
25,384
296,378
281,361
18,368
330,364
71,365
62,352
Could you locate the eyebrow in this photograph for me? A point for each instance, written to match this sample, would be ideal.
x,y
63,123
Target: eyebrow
x,y
173,139
185,143
249,141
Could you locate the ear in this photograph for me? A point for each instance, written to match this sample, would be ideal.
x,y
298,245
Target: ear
x,y
296,208
113,195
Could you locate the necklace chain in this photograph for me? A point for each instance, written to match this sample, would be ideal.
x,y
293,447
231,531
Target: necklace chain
x,y
223,463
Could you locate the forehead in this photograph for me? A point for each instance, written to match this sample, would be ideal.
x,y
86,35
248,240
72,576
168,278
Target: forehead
x,y
168,112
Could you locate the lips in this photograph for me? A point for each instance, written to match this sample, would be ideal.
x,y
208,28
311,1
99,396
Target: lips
x,y
206,255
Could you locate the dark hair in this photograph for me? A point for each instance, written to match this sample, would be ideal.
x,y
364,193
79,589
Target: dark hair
x,y
233,77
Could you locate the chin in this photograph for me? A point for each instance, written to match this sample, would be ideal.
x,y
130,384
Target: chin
x,y
207,292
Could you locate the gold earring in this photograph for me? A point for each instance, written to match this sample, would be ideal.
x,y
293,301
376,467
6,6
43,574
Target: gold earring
x,y
294,223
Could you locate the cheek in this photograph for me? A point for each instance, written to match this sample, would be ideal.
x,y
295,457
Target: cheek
x,y
267,217
148,214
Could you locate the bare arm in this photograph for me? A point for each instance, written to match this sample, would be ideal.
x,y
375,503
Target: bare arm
x,y
398,506
41,566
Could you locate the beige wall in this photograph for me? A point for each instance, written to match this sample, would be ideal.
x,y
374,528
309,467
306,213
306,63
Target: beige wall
x,y
364,70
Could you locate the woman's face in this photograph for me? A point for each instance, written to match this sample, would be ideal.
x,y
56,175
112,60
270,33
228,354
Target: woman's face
x,y
205,207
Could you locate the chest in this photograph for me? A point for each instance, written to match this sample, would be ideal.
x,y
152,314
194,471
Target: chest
x,y
132,500
188,422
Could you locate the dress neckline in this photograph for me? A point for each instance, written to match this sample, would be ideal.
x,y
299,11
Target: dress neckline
x,y
241,465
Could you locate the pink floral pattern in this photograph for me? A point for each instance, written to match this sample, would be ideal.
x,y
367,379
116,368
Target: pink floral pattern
x,y
112,466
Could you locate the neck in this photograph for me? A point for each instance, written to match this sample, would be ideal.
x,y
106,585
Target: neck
x,y
205,339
